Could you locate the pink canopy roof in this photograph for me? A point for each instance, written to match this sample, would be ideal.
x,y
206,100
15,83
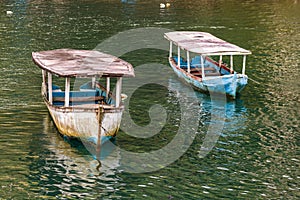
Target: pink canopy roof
x,y
82,63
204,43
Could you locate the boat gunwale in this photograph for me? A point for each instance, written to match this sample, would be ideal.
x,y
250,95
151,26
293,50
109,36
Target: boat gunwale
x,y
106,108
173,64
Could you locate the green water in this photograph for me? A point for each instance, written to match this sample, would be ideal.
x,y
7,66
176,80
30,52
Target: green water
x,y
256,155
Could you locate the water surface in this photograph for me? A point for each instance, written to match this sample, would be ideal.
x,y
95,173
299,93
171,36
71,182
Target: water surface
x,y
257,154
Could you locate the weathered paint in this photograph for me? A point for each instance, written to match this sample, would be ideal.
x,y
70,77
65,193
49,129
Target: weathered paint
x,y
230,84
204,43
82,63
82,120
83,123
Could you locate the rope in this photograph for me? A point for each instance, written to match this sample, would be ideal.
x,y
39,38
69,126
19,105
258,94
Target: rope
x,y
254,81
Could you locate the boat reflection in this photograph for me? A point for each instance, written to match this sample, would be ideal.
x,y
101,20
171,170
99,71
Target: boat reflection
x,y
80,156
218,118
129,1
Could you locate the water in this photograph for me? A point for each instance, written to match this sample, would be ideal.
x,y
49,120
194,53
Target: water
x,y
256,155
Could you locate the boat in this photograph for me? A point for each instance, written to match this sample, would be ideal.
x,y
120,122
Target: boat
x,y
199,68
90,112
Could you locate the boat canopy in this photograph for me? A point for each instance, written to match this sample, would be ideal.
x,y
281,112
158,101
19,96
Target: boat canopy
x,y
204,43
82,63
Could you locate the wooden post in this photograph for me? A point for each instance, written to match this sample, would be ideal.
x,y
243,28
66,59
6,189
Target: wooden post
x,y
44,86
171,49
231,63
188,61
98,147
244,65
118,91
220,64
107,86
220,61
44,76
178,52
202,66
67,92
93,82
50,97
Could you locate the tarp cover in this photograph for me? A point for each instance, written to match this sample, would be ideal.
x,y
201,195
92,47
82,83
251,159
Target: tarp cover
x,y
82,63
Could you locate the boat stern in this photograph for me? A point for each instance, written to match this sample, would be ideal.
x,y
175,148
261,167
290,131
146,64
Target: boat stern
x,y
227,84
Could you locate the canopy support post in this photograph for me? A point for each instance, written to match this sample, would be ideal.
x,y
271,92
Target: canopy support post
x,y
171,49
44,76
107,86
93,82
118,91
67,92
188,61
231,63
220,64
220,61
178,61
50,97
44,86
244,65
202,67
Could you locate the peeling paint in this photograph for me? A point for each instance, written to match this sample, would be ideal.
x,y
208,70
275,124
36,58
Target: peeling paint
x,y
83,122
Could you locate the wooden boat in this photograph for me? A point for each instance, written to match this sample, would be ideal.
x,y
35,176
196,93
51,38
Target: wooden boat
x,y
90,112
201,71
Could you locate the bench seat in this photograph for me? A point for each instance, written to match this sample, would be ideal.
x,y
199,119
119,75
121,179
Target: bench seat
x,y
77,97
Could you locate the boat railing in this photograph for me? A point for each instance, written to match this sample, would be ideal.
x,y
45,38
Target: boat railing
x,y
211,67
85,95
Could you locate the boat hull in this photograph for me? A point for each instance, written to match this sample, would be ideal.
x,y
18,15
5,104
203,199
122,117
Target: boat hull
x,y
83,123
230,84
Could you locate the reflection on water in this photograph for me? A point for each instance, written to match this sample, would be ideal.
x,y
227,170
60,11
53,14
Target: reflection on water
x,y
69,170
129,1
60,146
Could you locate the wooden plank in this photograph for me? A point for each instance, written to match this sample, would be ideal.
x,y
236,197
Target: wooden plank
x,y
79,99
206,74
205,69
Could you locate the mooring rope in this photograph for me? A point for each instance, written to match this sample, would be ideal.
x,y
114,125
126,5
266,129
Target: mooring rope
x,y
98,147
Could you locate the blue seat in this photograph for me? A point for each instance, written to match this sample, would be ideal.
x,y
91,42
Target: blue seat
x,y
183,63
77,97
88,86
77,94
196,61
55,87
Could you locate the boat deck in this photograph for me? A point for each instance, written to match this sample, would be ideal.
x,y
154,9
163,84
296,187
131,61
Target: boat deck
x,y
197,71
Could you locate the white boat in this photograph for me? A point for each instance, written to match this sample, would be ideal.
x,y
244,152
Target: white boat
x,y
201,71
90,112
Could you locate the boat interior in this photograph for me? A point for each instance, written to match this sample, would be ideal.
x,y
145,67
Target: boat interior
x,y
88,93
211,67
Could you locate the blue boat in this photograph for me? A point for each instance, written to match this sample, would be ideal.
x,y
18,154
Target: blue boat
x,y
198,68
